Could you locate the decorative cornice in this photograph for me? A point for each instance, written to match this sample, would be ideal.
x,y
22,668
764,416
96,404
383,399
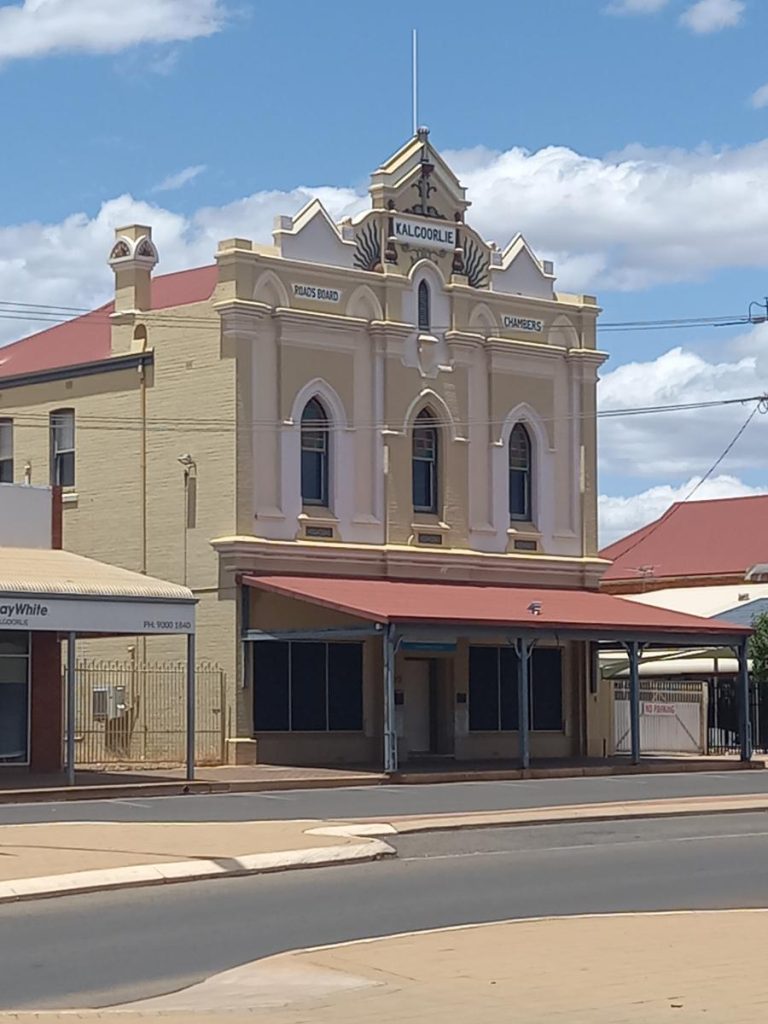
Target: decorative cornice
x,y
291,316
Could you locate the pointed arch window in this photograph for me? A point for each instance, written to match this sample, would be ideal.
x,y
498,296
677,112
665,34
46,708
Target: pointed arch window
x,y
425,462
314,454
520,474
425,308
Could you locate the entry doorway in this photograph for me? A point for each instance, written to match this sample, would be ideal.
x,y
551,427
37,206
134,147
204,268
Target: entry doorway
x,y
418,711
427,723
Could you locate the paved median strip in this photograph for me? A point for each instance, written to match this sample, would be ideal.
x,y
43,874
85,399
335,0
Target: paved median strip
x,y
358,841
673,807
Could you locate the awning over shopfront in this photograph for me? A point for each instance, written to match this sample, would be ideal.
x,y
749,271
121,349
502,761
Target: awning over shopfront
x,y
55,591
406,610
538,609
58,591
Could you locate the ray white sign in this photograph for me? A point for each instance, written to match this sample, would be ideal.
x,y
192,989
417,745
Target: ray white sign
x,y
432,236
316,292
58,615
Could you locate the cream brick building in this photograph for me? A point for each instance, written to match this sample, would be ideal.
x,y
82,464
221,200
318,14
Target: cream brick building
x,y
391,398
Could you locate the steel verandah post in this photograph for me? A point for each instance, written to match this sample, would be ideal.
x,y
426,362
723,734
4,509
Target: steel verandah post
x,y
523,703
634,701
390,724
190,707
745,731
71,707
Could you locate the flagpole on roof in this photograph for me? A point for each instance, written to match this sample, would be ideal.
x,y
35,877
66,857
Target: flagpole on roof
x,y
415,79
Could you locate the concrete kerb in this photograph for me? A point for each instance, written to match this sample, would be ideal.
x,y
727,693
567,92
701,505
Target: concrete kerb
x,y
205,787
677,807
141,875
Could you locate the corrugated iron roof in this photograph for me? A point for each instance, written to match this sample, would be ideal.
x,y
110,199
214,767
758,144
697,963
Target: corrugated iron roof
x,y
728,601
533,608
52,572
720,537
86,339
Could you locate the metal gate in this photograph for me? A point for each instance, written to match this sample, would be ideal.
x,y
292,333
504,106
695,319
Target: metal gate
x,y
723,716
135,713
672,716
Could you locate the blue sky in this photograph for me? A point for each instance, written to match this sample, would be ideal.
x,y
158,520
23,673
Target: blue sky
x,y
627,138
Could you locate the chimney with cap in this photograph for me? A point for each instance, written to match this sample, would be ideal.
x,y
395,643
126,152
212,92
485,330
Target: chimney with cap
x,y
133,258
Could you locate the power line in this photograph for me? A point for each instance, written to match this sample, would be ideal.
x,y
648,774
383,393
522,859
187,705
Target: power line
x,y
646,532
45,313
221,425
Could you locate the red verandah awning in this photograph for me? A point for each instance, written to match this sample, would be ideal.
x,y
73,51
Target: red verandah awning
x,y
538,608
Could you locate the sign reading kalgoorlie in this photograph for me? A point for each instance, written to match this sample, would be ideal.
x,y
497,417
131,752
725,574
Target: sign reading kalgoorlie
x,y
416,232
520,323
316,292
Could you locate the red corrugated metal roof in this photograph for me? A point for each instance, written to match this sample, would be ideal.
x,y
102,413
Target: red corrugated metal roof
x,y
698,538
87,338
470,604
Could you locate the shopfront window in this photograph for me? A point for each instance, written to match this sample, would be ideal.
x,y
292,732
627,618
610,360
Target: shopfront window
x,y
493,689
302,686
14,698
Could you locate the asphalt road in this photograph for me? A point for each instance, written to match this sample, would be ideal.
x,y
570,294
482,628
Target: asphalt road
x,y
95,950
384,801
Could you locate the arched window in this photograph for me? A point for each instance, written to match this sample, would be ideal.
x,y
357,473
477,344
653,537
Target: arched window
x,y
520,469
425,308
424,459
314,454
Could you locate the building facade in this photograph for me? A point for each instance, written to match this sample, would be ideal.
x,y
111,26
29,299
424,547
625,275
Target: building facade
x,y
389,398
48,595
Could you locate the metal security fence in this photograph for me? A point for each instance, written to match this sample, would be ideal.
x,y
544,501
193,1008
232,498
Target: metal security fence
x,y
724,715
673,716
133,713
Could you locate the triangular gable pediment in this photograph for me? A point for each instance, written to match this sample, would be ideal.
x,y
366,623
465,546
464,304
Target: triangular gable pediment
x,y
519,272
312,236
416,179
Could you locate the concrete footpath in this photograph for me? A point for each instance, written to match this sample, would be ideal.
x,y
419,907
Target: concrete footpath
x,y
55,859
617,969
110,784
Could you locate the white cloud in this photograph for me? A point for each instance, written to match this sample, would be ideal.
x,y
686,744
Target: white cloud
x,y
684,443
621,516
627,221
759,97
174,181
632,219
165,63
64,264
707,16
636,6
39,27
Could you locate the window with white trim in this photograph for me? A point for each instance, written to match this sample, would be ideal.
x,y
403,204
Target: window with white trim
x,y
424,307
314,454
520,474
425,453
6,451
62,440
